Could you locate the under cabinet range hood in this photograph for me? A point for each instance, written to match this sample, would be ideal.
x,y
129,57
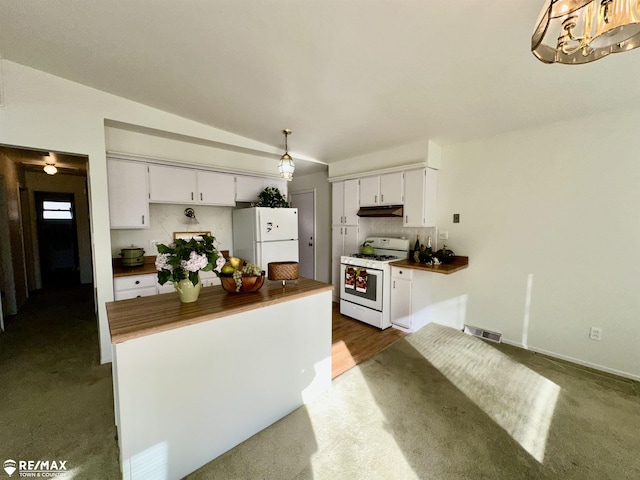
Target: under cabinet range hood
x,y
384,211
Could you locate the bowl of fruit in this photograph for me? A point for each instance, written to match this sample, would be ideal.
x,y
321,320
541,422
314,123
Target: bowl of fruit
x,y
238,276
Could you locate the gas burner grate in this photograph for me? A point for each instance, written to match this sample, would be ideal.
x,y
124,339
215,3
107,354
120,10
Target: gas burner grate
x,y
379,258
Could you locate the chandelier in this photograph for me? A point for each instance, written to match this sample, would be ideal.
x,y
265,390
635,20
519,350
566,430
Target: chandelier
x,y
581,31
286,166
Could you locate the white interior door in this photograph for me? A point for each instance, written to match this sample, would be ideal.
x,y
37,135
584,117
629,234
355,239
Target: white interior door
x,y
305,203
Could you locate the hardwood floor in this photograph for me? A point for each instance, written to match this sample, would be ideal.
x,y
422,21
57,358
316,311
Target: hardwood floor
x,y
353,342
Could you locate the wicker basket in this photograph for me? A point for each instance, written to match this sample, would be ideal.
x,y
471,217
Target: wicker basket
x,y
283,270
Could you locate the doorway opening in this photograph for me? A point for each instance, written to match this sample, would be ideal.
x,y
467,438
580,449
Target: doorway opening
x,y
57,239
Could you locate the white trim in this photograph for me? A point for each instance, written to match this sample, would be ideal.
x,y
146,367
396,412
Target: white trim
x,y
165,161
400,168
574,360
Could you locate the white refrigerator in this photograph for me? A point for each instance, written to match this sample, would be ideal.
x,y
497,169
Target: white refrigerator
x,y
262,235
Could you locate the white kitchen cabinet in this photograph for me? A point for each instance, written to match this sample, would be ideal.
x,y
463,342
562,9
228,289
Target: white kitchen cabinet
x,y
172,184
344,241
249,188
216,188
279,183
386,189
401,284
133,286
420,187
128,194
345,203
190,186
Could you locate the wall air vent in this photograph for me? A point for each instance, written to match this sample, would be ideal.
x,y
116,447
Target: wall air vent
x,y
482,333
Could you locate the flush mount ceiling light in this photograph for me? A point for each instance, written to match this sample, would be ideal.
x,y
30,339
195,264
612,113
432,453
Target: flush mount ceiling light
x,y
286,166
581,31
50,168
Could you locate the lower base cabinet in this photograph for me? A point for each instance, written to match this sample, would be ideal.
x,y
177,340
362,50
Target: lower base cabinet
x,y
133,286
401,283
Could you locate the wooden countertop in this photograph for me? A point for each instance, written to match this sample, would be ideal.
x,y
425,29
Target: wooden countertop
x,y
137,317
149,266
459,263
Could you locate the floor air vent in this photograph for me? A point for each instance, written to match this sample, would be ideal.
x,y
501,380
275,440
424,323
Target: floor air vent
x,y
482,333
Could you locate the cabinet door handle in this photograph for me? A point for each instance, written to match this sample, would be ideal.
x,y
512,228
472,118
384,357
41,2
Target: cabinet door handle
x,y
406,219
381,198
191,195
137,282
200,196
143,219
394,284
375,199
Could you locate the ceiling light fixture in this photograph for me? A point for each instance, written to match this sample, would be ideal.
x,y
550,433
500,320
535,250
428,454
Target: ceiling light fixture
x,y
286,166
581,31
50,168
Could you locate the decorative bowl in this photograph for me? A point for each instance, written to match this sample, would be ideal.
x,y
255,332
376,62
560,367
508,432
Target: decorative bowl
x,y
250,283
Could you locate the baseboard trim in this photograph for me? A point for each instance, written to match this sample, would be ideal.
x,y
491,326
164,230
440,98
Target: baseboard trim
x,y
601,368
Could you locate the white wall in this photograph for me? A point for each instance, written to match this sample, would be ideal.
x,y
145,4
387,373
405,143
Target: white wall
x,y
549,219
318,182
45,112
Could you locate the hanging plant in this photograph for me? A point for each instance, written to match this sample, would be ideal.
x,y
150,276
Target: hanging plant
x,y
271,197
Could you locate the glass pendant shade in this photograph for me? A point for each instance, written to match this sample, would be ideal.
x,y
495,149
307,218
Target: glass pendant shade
x,y
581,31
50,169
286,166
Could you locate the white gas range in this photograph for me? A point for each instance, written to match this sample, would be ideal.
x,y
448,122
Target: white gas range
x,y
365,281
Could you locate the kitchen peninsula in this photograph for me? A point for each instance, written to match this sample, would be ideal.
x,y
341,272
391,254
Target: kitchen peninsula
x,y
191,381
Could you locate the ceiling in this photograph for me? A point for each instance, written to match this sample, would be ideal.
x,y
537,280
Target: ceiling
x,y
349,77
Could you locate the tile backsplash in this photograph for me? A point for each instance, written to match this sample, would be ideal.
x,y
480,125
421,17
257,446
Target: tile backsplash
x,y
166,219
392,227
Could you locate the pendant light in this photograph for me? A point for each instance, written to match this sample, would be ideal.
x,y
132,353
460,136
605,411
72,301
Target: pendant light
x,y
581,31
286,166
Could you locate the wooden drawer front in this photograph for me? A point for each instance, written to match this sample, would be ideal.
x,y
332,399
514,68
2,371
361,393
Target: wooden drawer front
x,y
135,292
134,281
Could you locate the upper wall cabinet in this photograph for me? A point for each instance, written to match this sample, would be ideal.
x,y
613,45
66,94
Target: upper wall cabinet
x,y
420,187
172,184
345,203
386,189
248,188
216,188
128,194
188,186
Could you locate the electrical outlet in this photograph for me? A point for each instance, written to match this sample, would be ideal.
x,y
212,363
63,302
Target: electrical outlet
x,y
443,235
456,218
595,333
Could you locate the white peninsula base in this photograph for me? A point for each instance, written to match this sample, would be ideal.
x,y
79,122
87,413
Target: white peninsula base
x,y
186,395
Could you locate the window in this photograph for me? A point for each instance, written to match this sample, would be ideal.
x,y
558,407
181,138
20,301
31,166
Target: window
x,y
56,210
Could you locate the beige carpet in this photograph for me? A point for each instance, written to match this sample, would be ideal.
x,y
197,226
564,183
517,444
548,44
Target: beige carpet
x,y
442,405
436,405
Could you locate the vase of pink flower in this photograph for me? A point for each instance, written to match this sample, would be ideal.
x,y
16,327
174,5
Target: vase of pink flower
x,y
181,261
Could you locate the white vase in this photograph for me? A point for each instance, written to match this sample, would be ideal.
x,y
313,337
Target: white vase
x,y
187,291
